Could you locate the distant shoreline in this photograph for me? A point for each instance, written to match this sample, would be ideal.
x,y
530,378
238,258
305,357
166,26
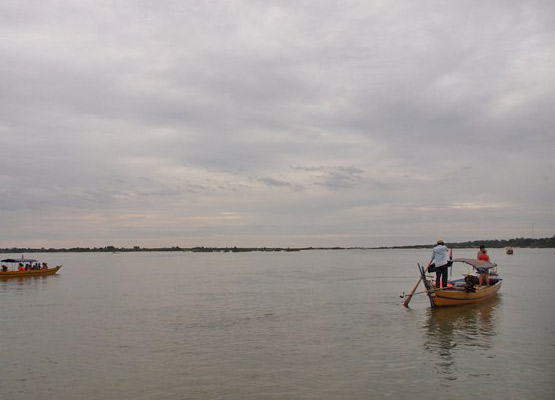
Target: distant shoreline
x,y
519,242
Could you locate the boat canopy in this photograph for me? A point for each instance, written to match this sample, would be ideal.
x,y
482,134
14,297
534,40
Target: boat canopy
x,y
479,265
19,260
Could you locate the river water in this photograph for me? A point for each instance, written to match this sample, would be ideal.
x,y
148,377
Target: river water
x,y
284,325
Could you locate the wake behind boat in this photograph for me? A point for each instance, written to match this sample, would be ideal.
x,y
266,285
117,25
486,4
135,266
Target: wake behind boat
x,y
475,286
24,268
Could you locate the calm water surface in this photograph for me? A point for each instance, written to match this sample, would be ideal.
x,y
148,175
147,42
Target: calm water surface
x,y
299,325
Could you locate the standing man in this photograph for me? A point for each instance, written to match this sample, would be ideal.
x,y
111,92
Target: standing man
x,y
440,257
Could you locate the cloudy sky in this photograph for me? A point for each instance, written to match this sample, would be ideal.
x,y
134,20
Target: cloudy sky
x,y
275,123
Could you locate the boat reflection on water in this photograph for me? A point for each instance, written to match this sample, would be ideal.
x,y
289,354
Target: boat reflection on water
x,y
24,283
458,337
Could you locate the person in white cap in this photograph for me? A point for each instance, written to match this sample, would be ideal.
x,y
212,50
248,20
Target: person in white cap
x,y
440,257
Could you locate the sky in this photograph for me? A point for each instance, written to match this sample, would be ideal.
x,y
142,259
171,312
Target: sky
x,y
275,123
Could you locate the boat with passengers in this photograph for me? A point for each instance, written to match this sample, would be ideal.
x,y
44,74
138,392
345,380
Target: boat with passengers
x,y
476,285
480,283
25,268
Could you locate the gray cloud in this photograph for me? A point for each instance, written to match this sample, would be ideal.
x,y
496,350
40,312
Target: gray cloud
x,y
254,123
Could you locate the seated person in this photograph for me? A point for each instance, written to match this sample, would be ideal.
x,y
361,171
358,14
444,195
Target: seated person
x,y
483,255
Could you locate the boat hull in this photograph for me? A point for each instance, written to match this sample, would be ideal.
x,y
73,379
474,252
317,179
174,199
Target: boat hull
x,y
455,297
30,273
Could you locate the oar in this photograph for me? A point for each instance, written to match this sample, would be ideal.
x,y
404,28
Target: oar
x,y
409,296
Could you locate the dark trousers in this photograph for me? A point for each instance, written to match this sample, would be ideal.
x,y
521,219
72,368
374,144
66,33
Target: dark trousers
x,y
441,275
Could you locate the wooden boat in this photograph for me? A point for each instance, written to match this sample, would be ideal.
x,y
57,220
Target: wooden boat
x,y
11,268
483,283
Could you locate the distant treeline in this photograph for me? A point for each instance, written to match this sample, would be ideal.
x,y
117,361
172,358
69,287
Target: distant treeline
x,y
113,249
492,244
519,242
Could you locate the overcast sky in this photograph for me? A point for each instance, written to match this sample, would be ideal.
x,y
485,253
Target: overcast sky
x,y
275,123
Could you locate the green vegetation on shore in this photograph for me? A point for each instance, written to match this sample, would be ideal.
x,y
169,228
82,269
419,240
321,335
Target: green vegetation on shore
x,y
492,244
519,242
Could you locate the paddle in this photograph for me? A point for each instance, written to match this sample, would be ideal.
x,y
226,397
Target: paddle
x,y
409,296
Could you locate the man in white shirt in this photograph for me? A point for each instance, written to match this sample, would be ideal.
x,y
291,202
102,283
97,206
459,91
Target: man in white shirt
x,y
440,257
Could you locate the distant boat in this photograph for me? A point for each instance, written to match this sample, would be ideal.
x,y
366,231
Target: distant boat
x,y
25,268
475,287
509,250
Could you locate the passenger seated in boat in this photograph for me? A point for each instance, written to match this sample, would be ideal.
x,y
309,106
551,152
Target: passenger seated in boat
x,y
483,255
21,267
4,268
44,265
480,251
